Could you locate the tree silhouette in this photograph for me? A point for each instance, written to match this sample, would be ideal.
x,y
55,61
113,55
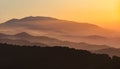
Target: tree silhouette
x,y
26,57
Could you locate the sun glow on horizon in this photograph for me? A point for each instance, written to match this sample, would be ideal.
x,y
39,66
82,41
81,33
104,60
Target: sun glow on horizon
x,y
105,13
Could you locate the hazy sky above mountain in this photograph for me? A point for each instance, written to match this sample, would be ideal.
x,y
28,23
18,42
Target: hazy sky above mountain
x,y
105,13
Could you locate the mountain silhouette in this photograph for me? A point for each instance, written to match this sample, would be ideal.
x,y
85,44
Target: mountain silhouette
x,y
61,29
26,57
37,18
51,26
30,18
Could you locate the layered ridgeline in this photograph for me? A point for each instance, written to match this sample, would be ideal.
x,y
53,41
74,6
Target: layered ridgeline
x,y
16,57
27,39
109,51
61,29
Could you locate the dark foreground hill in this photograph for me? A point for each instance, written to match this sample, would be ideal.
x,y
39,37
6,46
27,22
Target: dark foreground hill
x,y
15,57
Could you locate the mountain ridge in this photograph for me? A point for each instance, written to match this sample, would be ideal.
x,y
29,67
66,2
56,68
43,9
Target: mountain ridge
x,y
30,18
109,51
60,29
48,41
47,24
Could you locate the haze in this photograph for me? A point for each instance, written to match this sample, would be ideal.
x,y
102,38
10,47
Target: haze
x,y
105,13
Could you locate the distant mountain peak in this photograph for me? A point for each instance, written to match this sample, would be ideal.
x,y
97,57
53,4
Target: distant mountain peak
x,y
22,34
12,20
34,18
30,18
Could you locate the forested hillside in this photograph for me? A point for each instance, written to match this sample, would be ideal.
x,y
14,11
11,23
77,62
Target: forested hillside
x,y
26,57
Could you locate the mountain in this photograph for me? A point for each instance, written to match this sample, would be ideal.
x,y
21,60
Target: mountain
x,y
24,38
61,29
110,51
98,39
50,26
21,42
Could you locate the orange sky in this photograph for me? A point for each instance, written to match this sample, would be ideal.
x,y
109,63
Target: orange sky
x,y
105,13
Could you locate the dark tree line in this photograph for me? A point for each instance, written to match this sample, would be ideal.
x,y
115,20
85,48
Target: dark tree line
x,y
26,57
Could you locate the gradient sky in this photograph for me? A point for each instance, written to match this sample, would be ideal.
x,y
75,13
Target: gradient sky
x,y
105,13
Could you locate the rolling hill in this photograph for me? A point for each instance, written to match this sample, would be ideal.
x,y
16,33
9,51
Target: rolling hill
x,y
24,38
